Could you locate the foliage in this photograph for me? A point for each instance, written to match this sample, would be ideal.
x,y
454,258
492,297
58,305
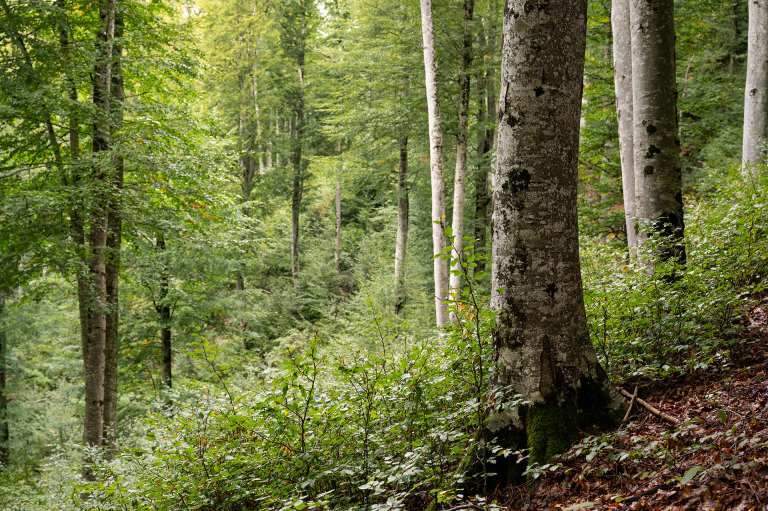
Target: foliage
x,y
339,426
648,318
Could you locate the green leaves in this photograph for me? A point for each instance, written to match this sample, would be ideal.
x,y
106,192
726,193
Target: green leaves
x,y
690,474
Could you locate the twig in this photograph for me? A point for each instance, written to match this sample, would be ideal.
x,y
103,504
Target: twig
x,y
654,411
631,404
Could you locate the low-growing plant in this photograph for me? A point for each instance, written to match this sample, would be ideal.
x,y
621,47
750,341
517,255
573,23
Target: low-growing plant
x,y
654,317
386,426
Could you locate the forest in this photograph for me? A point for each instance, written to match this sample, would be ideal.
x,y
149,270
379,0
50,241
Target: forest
x,y
383,255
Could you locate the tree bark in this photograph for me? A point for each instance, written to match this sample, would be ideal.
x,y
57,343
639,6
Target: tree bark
x,y
337,251
76,224
541,332
401,242
296,198
4,431
658,175
93,427
435,163
486,111
622,78
756,89
114,244
460,176
163,308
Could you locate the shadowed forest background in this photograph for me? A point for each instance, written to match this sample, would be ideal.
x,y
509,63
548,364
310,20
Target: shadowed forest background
x,y
259,177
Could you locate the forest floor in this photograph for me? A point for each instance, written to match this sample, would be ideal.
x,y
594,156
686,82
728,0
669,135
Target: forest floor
x,y
649,464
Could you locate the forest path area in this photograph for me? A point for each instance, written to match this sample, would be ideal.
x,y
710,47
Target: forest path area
x,y
716,460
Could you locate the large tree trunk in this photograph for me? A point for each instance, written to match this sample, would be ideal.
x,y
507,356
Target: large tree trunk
x,y
114,243
401,242
435,163
163,308
756,90
542,337
658,179
4,432
460,177
93,426
622,77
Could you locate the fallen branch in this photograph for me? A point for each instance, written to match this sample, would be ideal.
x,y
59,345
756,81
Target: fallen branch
x,y
654,411
631,404
665,486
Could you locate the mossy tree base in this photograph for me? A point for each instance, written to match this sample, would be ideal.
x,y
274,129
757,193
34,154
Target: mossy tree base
x,y
551,428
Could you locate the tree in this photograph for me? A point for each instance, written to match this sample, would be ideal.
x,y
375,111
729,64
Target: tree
x,y
401,240
756,89
96,295
435,162
4,433
486,137
542,338
658,174
622,76
460,177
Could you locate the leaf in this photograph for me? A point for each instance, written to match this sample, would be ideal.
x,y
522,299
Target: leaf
x,y
688,477
722,416
580,506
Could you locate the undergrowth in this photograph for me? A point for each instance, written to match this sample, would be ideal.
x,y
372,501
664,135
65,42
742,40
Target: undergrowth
x,y
646,324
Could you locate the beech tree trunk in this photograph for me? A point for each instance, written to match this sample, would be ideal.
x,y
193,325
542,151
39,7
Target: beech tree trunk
x,y
541,332
402,226
435,163
460,177
93,426
658,175
4,432
622,77
114,243
756,90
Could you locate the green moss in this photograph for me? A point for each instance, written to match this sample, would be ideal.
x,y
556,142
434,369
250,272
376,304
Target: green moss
x,y
551,428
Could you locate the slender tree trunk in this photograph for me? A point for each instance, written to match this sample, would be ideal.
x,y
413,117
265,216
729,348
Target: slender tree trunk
x,y
401,242
298,37
734,15
337,252
486,111
296,197
114,244
258,122
97,304
756,89
435,163
622,77
163,308
4,431
658,175
541,328
77,227
460,177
